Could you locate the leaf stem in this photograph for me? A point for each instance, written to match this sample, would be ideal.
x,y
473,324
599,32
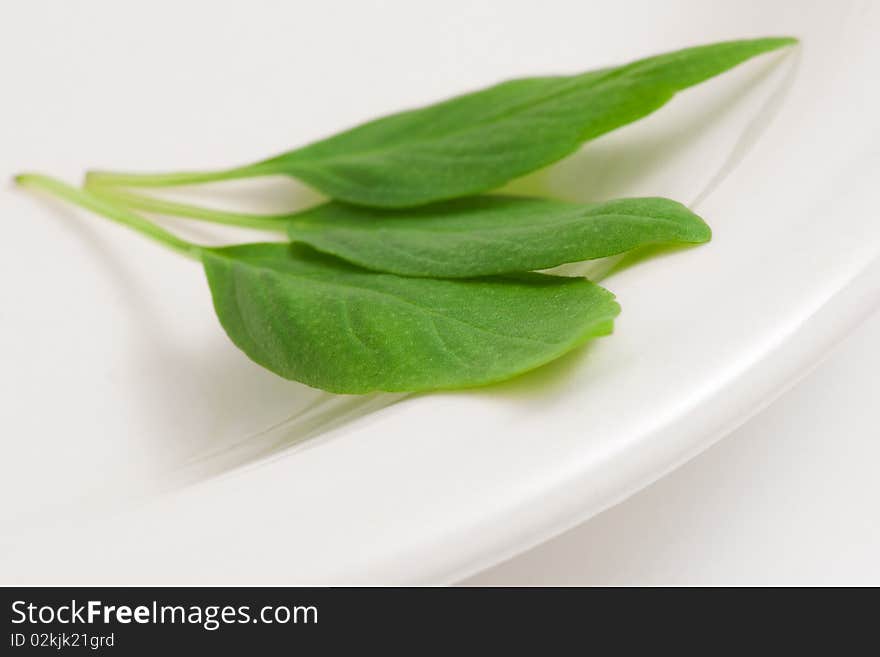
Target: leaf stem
x,y
89,201
273,222
113,178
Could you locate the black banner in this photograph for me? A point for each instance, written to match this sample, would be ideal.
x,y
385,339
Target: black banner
x,y
151,621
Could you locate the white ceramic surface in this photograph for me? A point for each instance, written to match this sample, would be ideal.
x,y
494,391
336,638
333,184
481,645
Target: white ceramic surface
x,y
791,498
122,385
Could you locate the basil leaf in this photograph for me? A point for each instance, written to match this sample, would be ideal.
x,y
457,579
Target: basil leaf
x,y
486,235
316,319
481,140
474,236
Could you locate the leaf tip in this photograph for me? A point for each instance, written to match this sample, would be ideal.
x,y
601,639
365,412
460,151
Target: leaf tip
x,y
785,41
702,231
777,42
705,235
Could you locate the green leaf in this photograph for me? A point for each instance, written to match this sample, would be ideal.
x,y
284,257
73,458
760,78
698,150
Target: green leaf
x,y
485,235
316,319
481,140
474,236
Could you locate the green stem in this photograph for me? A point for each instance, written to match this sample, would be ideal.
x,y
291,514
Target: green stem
x,y
89,201
112,178
170,208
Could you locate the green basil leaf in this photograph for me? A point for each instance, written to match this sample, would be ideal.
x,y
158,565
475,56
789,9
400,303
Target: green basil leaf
x,y
486,235
316,319
474,236
481,140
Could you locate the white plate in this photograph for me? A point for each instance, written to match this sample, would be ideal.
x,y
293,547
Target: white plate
x,y
119,384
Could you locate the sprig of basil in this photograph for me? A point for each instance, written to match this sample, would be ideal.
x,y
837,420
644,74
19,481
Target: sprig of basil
x,y
481,140
474,236
319,320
